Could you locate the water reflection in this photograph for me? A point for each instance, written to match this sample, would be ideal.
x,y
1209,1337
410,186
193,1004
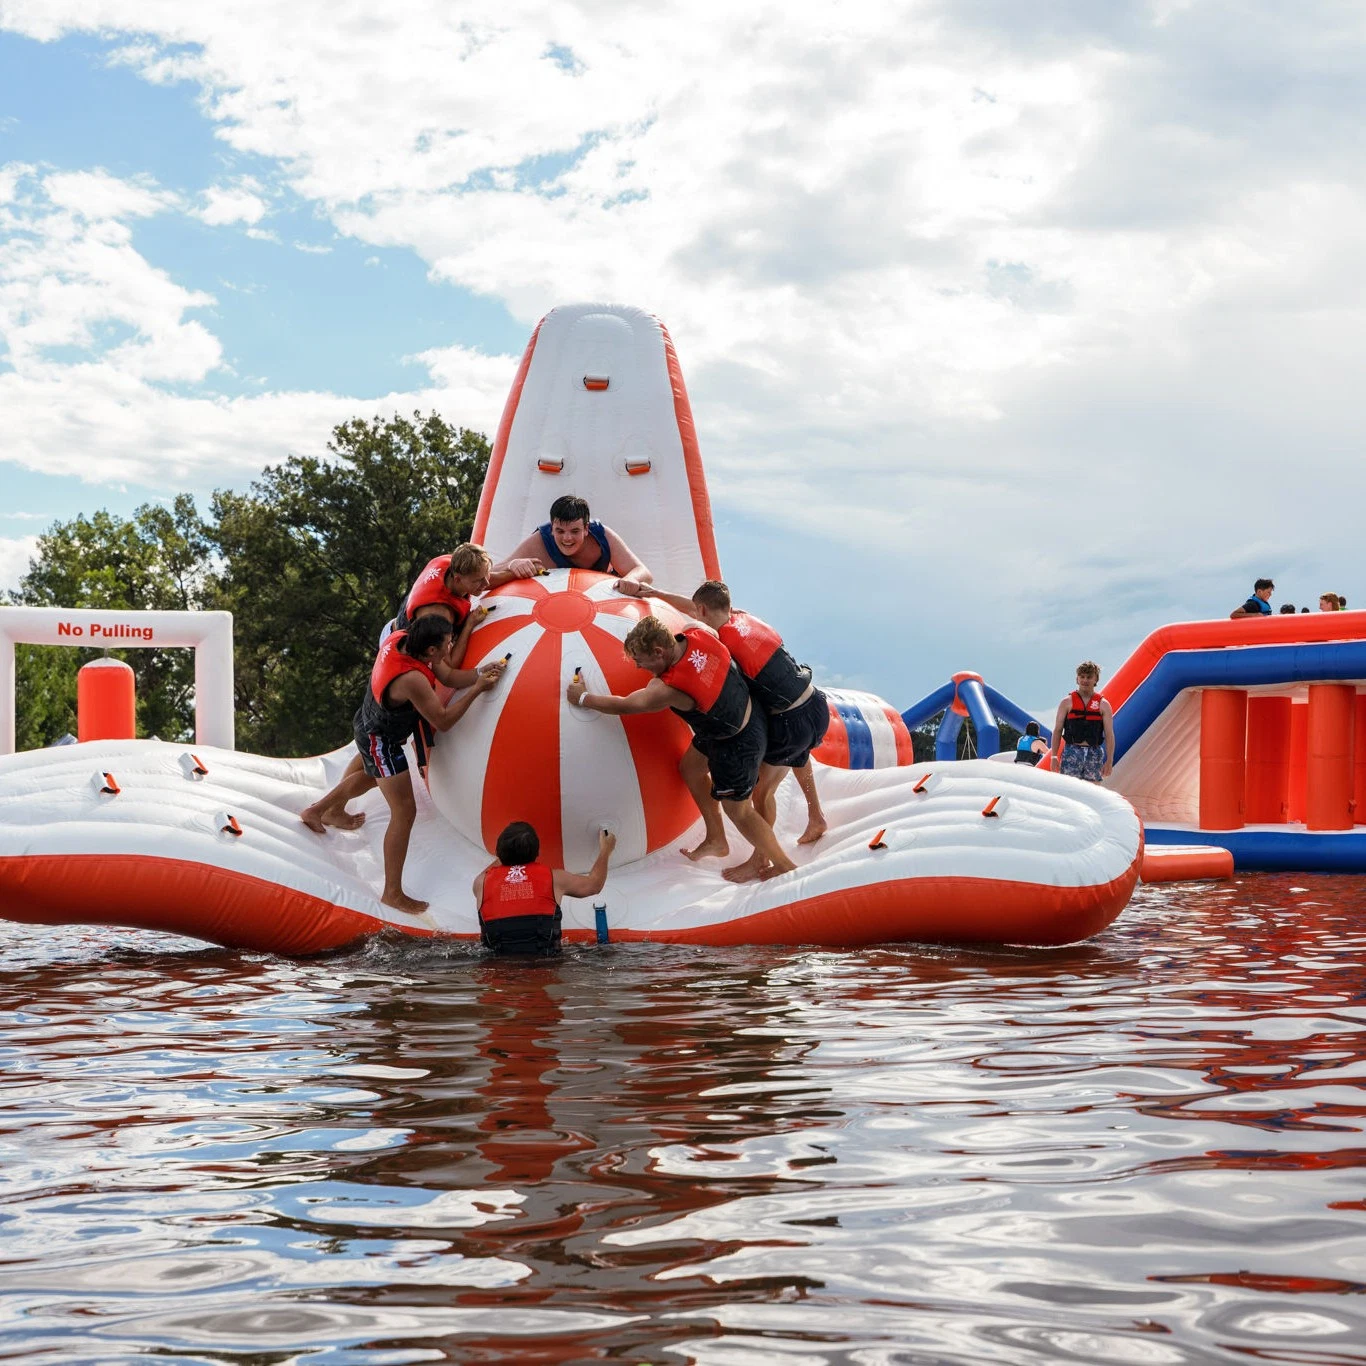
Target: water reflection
x,y
1146,1148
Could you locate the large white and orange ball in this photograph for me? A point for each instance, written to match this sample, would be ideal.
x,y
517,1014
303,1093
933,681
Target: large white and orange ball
x,y
522,753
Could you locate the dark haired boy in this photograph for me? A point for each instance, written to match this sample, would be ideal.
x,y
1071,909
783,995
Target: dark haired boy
x,y
571,539
519,898
1259,604
400,703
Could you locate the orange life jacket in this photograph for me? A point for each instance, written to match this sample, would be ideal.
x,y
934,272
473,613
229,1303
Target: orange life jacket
x,y
1084,724
776,679
707,674
429,590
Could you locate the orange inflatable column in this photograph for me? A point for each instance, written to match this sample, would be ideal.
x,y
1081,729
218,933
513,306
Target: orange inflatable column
x,y
1359,787
1329,761
1223,758
1299,748
1268,760
106,705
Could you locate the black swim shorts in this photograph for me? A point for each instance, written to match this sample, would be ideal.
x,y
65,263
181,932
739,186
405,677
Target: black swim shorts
x,y
735,761
382,754
792,735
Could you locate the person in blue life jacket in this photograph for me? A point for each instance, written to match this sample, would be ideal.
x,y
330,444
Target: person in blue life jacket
x,y
1259,604
571,539
1030,747
519,897
1087,725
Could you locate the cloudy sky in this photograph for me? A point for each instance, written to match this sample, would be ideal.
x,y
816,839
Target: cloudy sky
x,y
1012,330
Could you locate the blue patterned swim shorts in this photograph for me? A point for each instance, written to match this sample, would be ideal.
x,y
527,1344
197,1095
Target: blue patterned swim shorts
x,y
1083,761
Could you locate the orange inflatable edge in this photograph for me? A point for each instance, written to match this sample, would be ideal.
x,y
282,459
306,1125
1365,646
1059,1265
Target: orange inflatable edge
x,y
238,911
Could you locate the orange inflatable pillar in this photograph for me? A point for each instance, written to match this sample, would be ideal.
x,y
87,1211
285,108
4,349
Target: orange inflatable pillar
x,y
1330,757
106,705
1299,742
1268,761
1359,787
1223,758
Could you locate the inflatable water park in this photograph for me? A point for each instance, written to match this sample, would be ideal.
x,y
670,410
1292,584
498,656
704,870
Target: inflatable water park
x,y
1238,743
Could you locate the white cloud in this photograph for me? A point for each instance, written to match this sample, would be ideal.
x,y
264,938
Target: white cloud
x,y
1059,305
236,203
15,553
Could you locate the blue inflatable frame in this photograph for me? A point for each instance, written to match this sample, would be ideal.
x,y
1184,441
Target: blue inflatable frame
x,y
987,708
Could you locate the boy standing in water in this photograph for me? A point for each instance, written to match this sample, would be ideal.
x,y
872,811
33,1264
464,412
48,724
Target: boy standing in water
x,y
401,702
519,898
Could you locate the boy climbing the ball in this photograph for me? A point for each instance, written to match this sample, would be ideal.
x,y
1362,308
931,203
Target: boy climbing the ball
x,y
401,702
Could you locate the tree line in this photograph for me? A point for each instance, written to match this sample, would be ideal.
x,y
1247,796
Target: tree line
x,y
312,560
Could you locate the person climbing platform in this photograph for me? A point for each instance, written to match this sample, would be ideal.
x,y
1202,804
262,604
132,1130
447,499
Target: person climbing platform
x,y
519,898
798,717
571,539
695,675
400,703
446,588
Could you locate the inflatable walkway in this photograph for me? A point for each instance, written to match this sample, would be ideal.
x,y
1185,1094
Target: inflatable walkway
x,y
1249,734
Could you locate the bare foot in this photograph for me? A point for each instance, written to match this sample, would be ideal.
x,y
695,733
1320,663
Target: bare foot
x,y
402,902
777,870
312,818
707,849
344,820
815,828
753,867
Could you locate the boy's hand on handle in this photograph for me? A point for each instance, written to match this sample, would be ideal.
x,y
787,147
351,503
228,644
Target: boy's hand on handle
x,y
489,674
525,569
607,841
630,588
480,613
576,689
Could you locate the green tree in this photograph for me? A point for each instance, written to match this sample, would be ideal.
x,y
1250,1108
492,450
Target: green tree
x,y
158,559
316,556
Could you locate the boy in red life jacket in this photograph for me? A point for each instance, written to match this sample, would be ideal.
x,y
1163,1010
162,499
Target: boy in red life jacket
x,y
445,589
400,699
571,539
696,676
798,713
1086,723
519,899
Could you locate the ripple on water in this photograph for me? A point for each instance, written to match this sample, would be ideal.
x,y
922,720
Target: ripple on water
x,y
1143,1149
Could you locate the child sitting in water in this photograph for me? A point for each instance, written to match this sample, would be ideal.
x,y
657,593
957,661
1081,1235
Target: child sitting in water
x,y
519,899
400,702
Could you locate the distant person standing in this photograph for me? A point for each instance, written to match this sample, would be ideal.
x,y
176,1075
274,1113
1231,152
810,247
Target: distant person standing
x,y
1086,723
1030,747
1331,602
1259,604
1288,609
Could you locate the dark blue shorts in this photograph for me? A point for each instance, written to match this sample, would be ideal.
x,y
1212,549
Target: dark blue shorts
x,y
735,761
383,756
792,735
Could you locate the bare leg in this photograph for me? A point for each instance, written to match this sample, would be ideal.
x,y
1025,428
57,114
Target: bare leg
x,y
760,834
765,801
331,809
815,818
697,775
337,815
398,792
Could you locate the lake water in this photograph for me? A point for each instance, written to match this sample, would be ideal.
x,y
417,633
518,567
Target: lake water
x,y
1146,1149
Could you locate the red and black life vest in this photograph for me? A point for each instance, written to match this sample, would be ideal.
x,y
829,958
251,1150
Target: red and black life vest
x,y
1084,724
775,677
706,673
430,590
517,912
390,663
